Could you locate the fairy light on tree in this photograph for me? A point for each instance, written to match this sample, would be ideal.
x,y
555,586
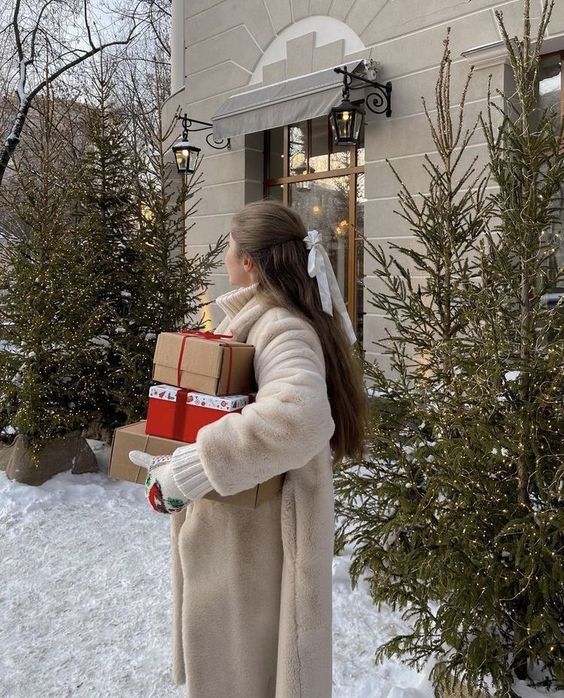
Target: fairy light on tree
x,y
459,504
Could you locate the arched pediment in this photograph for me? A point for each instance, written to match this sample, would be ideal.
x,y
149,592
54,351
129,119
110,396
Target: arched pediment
x,y
310,44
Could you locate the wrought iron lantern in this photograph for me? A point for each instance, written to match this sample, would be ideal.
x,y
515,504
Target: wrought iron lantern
x,y
346,119
346,122
185,154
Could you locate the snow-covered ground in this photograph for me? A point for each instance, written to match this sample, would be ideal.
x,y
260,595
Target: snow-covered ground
x,y
85,604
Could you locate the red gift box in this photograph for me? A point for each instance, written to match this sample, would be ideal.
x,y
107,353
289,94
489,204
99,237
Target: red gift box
x,y
177,413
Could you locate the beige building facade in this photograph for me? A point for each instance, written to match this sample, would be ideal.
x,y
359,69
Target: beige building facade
x,y
240,48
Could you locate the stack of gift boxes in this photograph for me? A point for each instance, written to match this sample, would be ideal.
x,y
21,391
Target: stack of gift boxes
x,y
201,377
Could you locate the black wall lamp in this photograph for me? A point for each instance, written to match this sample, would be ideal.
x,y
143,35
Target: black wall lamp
x,y
186,155
346,119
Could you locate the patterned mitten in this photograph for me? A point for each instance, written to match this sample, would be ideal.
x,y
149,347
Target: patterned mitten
x,y
160,488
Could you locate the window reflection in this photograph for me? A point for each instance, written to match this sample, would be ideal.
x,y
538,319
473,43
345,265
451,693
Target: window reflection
x,y
275,153
550,97
319,156
275,193
550,72
297,143
325,207
553,238
340,157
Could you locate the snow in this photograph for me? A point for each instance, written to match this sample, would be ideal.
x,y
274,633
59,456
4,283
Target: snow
x,y
85,599
9,347
512,375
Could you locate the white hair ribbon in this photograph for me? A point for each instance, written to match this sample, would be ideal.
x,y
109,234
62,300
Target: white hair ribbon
x,y
319,266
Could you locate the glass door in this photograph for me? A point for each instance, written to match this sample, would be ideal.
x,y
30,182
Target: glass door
x,y
325,184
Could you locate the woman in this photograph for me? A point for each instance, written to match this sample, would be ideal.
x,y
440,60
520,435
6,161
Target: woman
x,y
252,587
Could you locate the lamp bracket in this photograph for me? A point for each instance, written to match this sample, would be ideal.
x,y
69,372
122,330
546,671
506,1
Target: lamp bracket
x,y
188,127
378,100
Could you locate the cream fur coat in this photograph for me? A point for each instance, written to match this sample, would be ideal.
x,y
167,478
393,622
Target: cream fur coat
x,y
252,587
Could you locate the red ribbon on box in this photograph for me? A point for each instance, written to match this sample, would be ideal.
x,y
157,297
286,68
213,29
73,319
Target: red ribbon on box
x,y
203,335
180,411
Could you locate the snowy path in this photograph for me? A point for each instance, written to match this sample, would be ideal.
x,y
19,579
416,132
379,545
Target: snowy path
x,y
85,598
85,603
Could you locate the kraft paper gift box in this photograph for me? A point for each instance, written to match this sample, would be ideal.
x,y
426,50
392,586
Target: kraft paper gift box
x,y
177,413
133,438
204,362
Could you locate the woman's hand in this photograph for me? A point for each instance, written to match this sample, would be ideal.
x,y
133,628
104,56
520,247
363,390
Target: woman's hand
x,y
160,488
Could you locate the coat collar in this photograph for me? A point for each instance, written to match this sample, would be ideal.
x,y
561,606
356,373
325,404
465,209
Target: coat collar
x,y
243,308
234,301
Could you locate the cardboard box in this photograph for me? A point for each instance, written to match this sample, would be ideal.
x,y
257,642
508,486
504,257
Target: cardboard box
x,y
133,438
204,362
177,413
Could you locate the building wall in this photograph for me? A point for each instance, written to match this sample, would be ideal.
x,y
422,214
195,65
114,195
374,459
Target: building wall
x,y
234,45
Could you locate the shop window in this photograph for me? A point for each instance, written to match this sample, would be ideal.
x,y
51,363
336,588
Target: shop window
x,y
325,184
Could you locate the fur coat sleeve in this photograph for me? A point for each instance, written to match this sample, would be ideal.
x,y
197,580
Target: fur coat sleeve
x,y
289,423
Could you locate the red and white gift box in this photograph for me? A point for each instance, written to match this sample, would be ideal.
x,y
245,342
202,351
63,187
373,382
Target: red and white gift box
x,y
178,413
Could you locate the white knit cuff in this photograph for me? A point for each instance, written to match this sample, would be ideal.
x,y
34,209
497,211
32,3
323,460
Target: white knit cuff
x,y
188,474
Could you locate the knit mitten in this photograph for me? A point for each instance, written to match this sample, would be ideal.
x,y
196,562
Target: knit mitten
x,y
160,488
173,481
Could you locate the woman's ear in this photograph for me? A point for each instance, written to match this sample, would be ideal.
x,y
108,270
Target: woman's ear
x,y
248,263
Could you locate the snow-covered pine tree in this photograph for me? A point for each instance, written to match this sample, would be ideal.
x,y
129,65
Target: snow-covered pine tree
x,y
454,514
44,385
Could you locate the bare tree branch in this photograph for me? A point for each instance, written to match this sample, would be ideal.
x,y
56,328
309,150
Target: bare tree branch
x,y
63,52
87,22
16,28
35,29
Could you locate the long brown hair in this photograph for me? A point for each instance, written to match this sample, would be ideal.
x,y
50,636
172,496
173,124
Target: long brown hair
x,y
273,236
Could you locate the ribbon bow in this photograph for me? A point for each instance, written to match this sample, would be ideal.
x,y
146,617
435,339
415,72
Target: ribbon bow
x,y
319,266
204,334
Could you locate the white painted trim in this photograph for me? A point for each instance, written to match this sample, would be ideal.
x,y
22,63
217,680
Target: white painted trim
x,y
430,153
177,51
493,54
491,187
216,65
419,71
208,215
444,23
225,153
264,2
487,55
553,43
225,31
205,187
205,9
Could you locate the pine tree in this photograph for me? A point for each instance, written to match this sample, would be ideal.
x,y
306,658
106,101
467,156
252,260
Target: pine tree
x,y
44,386
106,227
94,264
454,517
133,224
